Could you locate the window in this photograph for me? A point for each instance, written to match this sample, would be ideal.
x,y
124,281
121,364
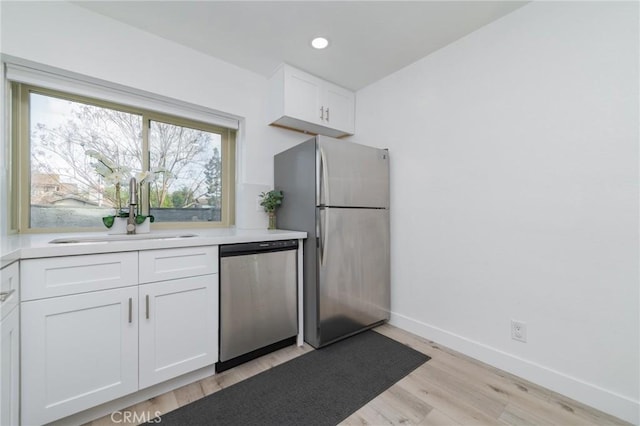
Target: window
x,y
76,156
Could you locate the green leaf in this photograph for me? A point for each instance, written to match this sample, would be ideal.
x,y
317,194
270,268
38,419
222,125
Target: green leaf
x,y
271,200
140,219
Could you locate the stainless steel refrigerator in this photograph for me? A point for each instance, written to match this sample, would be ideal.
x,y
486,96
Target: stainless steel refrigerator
x,y
338,192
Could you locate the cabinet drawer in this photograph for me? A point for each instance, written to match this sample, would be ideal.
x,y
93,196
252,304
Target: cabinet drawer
x,y
170,264
9,288
59,276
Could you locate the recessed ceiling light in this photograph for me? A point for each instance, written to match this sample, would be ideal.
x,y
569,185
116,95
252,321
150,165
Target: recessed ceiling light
x,y
319,42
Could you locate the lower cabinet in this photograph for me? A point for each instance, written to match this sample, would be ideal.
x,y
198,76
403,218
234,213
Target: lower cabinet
x,y
178,327
78,351
10,368
83,350
10,344
82,346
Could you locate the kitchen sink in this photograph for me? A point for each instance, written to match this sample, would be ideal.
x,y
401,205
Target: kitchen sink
x,y
113,238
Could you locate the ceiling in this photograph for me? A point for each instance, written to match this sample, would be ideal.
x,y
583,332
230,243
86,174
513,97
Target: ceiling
x,y
368,39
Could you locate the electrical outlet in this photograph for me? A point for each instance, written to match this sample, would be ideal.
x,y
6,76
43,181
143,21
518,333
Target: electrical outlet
x,y
519,330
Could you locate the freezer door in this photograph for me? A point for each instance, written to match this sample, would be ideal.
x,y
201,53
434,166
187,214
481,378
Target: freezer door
x,y
351,175
353,270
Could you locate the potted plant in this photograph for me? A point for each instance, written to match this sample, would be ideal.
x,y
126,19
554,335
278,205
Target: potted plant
x,y
271,201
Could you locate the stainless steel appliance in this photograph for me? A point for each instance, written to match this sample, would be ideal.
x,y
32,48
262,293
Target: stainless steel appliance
x,y
258,299
338,192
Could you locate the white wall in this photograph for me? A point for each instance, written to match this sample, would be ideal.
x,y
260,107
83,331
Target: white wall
x,y
515,195
66,36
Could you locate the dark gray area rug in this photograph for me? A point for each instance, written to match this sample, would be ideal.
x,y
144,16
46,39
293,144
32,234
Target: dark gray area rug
x,y
322,387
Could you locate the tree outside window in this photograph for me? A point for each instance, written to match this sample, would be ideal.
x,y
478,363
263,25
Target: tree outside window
x,y
67,192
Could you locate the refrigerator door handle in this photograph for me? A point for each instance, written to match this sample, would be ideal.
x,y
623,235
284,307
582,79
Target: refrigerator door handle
x,y
322,189
321,229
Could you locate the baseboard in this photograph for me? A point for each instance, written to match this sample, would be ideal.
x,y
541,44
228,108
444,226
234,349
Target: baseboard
x,y
587,393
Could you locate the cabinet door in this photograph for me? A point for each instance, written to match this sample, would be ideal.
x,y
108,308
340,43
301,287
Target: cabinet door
x,y
178,327
303,95
10,368
339,108
78,351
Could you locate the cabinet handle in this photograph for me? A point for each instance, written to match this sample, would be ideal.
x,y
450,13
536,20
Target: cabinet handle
x,y
327,113
321,113
130,310
147,305
5,295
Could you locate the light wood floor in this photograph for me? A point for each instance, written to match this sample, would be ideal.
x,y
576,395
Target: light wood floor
x,y
450,389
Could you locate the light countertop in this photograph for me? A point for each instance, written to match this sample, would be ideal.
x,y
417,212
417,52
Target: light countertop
x,y
28,246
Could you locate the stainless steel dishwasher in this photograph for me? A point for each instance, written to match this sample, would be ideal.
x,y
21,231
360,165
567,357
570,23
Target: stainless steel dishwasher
x,y
258,299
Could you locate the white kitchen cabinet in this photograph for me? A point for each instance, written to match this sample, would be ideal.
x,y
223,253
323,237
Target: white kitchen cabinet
x,y
10,368
78,351
92,333
178,327
301,101
178,311
10,344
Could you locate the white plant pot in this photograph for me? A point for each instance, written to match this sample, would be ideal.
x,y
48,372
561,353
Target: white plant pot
x,y
120,226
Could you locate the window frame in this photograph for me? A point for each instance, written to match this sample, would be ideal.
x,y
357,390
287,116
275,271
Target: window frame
x,y
21,158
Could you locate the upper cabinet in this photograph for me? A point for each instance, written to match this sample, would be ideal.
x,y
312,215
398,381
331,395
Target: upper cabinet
x,y
301,101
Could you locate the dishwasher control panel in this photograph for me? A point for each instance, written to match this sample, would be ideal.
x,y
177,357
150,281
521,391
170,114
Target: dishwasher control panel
x,y
249,248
